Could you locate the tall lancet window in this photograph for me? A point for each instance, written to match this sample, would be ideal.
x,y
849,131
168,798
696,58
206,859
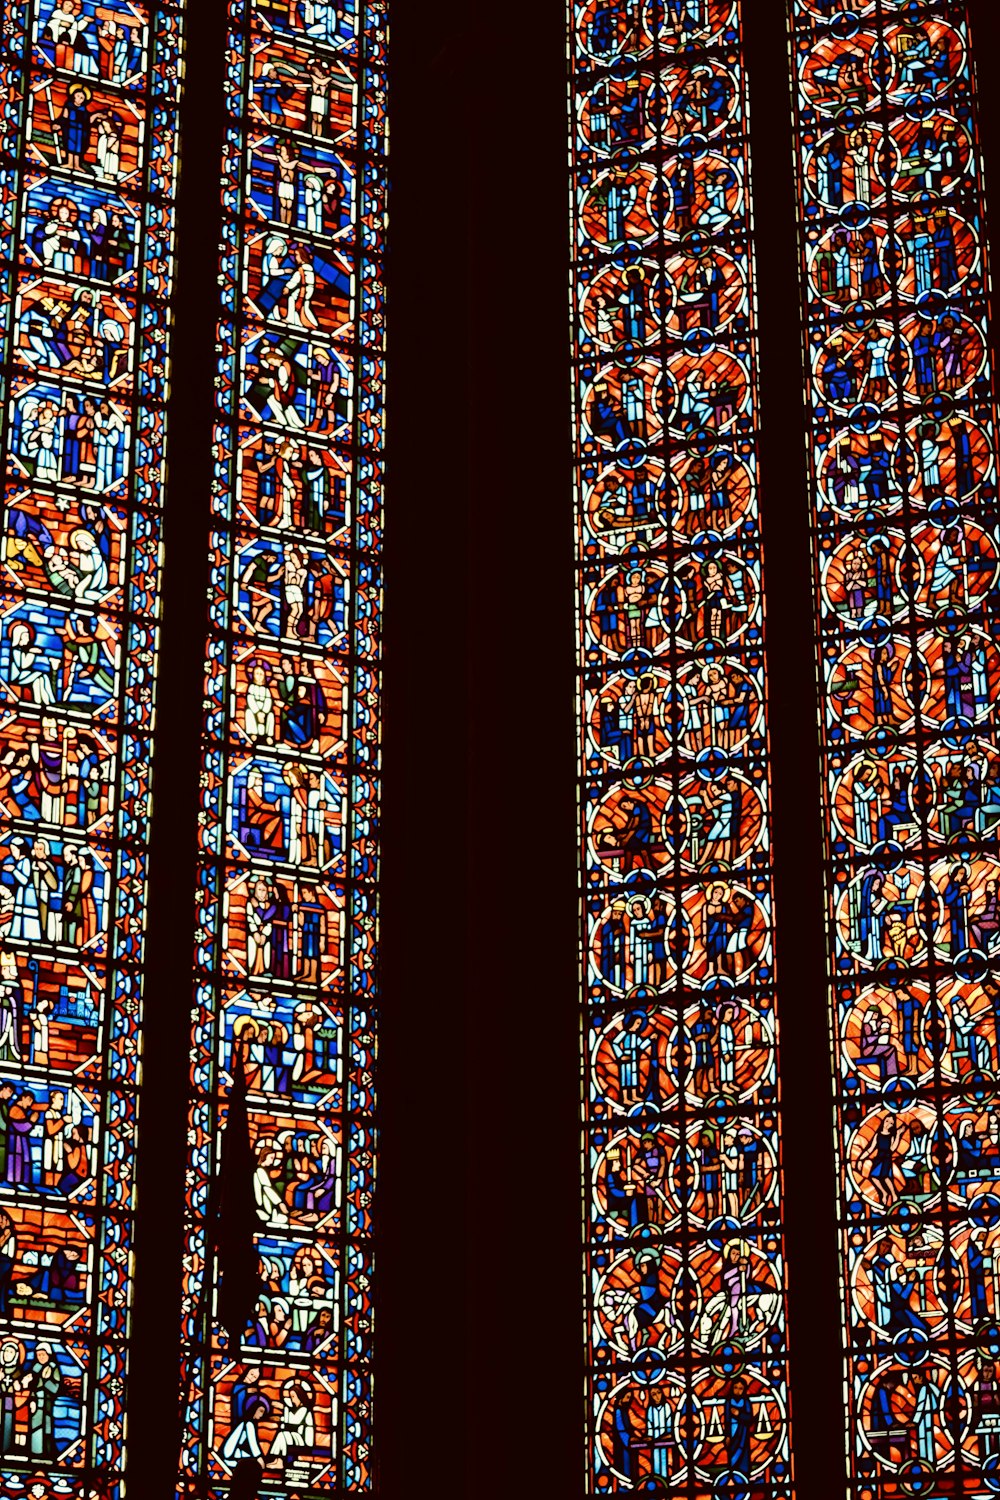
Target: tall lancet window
x,y
87,172
286,940
907,560
685,1270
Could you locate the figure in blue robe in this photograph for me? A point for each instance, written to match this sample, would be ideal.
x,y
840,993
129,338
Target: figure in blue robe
x,y
749,1168
305,716
315,479
273,93
830,173
898,811
622,1436
603,34
871,904
656,945
877,476
956,900
58,1281
281,936
266,466
884,590
923,361
614,734
606,417
976,1261
965,479
839,377
938,66
709,1166
739,709
871,268
739,1422
684,193
964,815
956,661
619,200
714,286
883,1415
628,121
651,1301
893,1297
633,304
276,1061
643,498
883,675
74,126
717,921
947,259
908,1015
608,610
311,924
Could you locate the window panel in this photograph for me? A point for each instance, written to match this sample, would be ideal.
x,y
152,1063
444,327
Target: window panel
x,y
287,921
87,177
906,560
685,1273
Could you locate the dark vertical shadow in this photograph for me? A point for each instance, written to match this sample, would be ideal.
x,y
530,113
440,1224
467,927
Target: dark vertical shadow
x,y
478,1209
419,1216
524,1359
153,1386
818,1420
479,1198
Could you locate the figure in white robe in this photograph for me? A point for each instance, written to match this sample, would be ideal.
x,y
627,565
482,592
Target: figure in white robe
x,y
25,923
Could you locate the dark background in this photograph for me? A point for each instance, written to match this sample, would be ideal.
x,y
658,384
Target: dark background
x,y
479,1352
481,488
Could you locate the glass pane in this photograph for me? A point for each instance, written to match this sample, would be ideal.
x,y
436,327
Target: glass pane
x,y
286,944
907,558
685,1273
86,230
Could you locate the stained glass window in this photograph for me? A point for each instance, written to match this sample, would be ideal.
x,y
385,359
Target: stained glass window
x,y
285,948
86,183
685,1272
684,1201
907,558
